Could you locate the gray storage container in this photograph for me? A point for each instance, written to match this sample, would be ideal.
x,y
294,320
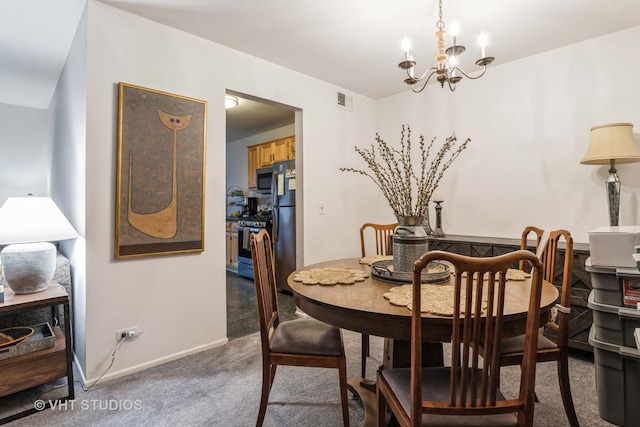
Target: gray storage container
x,y
617,381
608,283
614,324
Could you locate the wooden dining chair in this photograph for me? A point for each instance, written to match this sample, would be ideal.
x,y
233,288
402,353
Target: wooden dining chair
x,y
299,342
556,348
466,392
383,234
383,237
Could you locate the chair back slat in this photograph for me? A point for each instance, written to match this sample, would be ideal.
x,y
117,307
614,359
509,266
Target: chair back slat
x,y
478,302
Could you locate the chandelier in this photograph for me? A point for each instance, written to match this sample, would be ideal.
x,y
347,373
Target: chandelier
x,y
446,69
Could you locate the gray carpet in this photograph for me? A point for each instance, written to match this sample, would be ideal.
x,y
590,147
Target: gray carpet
x,y
221,387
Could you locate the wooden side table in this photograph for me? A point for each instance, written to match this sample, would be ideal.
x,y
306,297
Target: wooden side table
x,y
43,366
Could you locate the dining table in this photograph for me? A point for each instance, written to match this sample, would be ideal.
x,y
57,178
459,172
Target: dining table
x,y
362,307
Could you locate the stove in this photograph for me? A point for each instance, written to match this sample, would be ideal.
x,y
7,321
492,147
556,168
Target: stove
x,y
254,222
248,224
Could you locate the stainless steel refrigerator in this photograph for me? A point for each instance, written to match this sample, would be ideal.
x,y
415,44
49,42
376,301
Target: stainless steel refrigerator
x,y
283,235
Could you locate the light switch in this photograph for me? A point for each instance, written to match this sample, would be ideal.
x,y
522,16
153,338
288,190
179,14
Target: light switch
x,y
321,209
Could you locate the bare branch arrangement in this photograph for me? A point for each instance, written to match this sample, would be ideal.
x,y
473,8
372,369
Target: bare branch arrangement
x,y
392,171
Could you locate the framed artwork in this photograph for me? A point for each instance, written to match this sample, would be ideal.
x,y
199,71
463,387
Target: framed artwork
x,y
160,173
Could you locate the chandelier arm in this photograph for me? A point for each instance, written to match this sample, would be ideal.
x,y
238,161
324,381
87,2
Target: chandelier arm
x,y
484,69
426,81
429,71
452,87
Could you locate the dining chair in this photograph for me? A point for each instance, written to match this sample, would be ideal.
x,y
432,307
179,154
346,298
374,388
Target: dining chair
x,y
298,342
383,234
466,391
383,237
555,348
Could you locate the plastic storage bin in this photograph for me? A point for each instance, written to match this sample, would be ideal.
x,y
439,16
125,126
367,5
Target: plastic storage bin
x,y
614,324
614,286
617,381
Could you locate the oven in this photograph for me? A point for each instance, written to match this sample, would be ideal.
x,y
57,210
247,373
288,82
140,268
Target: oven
x,y
246,226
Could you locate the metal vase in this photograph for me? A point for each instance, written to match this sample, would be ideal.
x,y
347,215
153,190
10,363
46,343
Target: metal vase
x,y
410,242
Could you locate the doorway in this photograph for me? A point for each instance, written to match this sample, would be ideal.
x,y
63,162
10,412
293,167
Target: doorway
x,y
253,127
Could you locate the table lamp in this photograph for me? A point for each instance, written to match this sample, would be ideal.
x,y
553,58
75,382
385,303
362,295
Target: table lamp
x,y
27,225
610,143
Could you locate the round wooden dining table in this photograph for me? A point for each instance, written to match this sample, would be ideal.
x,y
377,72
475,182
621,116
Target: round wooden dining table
x,y
361,307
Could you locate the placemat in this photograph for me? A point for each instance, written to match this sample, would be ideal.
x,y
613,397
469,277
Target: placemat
x,y
329,276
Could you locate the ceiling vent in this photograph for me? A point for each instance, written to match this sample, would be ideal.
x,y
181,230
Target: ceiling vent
x,y
345,101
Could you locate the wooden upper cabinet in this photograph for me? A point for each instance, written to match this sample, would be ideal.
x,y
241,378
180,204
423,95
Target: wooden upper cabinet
x,y
291,148
266,154
252,165
285,149
280,150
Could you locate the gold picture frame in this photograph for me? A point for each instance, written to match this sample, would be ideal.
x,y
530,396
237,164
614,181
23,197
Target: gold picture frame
x,y
160,173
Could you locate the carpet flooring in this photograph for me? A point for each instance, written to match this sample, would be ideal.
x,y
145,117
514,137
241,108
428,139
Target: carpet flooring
x,y
221,387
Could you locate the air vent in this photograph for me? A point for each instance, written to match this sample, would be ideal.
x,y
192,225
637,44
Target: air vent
x,y
345,101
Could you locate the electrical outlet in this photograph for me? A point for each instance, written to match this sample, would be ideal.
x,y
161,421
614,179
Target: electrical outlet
x,y
132,332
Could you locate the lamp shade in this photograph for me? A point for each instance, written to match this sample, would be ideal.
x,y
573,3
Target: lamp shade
x,y
33,219
612,141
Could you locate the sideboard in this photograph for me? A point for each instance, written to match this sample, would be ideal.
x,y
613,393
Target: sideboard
x,y
581,316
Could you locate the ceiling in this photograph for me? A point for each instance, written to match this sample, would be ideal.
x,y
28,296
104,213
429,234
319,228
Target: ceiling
x,y
354,44
252,116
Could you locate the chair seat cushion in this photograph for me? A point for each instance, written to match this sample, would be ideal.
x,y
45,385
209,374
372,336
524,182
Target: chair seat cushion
x,y
307,336
435,387
516,344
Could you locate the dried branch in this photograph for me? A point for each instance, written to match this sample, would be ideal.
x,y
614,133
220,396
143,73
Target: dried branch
x,y
392,171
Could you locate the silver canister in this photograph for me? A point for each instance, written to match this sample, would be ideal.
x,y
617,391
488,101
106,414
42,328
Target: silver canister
x,y
410,242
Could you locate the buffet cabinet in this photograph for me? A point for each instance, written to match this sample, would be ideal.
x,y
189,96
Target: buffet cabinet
x,y
581,316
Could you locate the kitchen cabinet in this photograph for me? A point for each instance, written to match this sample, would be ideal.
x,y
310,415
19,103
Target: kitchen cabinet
x,y
252,165
231,237
581,315
266,154
284,149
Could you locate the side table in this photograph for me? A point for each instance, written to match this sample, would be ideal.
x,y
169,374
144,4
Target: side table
x,y
43,366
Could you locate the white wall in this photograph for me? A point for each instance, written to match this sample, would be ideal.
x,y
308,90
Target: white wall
x,y
180,300
25,162
530,123
68,107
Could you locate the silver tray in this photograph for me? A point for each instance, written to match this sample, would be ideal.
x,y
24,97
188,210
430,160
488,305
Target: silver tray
x,y
380,270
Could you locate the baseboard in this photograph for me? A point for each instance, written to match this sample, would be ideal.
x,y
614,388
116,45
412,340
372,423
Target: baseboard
x,y
151,363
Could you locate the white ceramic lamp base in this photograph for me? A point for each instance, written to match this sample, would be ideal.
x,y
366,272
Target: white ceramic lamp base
x,y
28,267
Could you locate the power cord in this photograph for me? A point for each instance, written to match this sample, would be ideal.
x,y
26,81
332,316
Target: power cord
x,y
123,337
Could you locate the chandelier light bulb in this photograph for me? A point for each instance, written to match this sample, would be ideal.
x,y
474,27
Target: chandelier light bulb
x,y
483,44
406,46
454,30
